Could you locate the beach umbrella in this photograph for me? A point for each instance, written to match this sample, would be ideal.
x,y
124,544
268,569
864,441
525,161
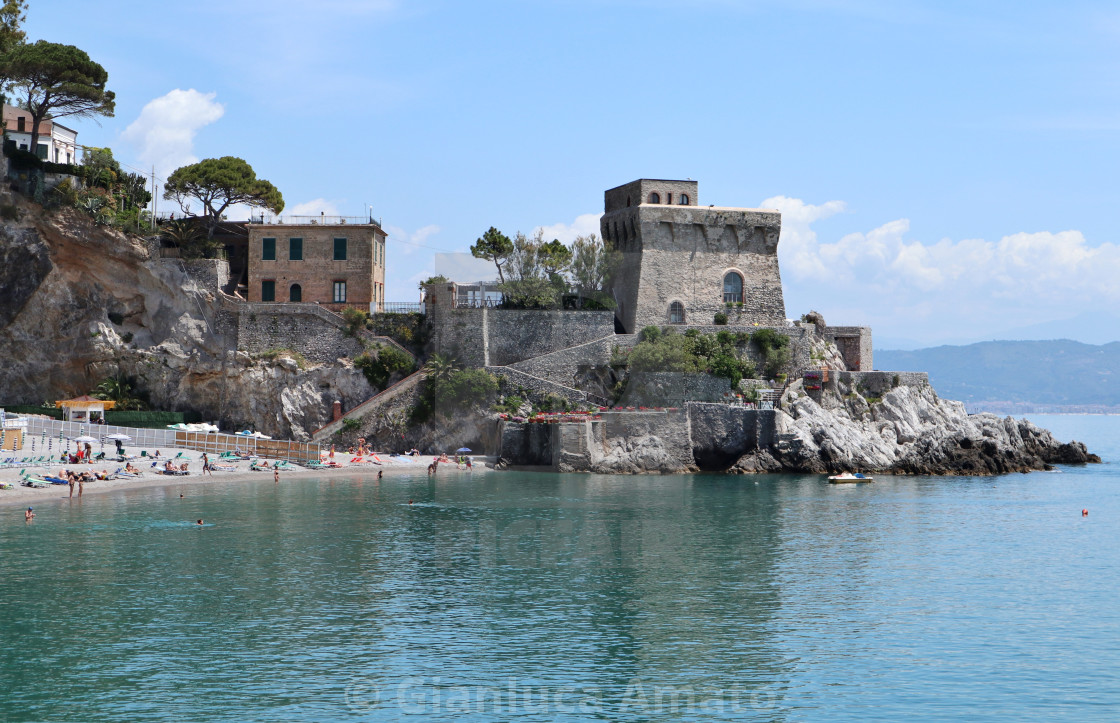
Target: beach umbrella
x,y
121,437
462,449
84,439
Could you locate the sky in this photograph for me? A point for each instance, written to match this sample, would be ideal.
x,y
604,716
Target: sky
x,y
947,171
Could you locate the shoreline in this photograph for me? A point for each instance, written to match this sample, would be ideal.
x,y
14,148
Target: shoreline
x,y
31,496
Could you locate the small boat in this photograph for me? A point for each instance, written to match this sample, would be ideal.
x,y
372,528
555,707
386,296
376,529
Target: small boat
x,y
847,477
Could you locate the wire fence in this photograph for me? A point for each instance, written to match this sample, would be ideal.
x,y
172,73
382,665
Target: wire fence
x,y
51,436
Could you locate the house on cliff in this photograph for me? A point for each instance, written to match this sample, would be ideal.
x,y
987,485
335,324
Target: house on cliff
x,y
57,143
334,261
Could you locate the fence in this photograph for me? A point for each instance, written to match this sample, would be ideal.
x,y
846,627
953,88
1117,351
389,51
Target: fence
x,y
401,307
211,443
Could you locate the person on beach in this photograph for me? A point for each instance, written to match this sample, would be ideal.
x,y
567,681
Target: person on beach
x,y
70,479
89,452
156,454
30,514
332,453
206,465
120,448
81,485
469,467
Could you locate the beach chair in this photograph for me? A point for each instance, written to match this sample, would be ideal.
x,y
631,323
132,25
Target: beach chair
x,y
178,456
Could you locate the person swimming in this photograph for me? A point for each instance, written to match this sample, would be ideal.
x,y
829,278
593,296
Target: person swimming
x,y
199,522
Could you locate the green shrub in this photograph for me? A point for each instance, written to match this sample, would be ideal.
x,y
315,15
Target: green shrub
x,y
9,212
127,337
355,319
720,319
464,389
650,333
509,405
349,424
378,369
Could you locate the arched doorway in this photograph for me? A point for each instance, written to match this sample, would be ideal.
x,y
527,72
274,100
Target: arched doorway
x,y
295,293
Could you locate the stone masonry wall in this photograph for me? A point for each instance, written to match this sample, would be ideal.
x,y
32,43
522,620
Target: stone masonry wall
x,y
854,343
278,326
877,384
672,389
499,337
563,367
210,274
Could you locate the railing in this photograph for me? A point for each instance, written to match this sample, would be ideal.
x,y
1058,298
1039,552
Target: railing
x,y
320,220
401,307
477,303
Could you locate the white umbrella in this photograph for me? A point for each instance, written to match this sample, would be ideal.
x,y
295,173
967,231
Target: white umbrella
x,y
121,437
83,439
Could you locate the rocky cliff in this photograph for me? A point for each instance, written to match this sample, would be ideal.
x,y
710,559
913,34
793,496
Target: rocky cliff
x,y
908,430
84,302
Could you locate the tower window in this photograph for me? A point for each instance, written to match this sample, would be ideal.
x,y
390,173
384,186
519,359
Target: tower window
x,y
676,313
733,288
684,199
655,197
295,293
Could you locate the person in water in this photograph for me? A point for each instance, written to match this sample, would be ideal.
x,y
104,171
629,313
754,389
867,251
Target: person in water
x,y
199,522
30,514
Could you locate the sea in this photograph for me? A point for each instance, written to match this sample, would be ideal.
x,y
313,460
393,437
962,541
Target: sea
x,y
490,596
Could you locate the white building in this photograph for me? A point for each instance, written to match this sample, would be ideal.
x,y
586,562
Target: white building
x,y
57,143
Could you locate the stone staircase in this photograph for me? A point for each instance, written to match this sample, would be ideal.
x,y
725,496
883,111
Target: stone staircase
x,y
375,403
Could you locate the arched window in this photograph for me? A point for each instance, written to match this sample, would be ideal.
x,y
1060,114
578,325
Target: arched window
x,y
295,293
684,199
676,313
733,288
655,197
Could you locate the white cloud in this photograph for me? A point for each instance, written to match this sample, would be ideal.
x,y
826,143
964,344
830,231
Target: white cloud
x,y
165,129
314,207
403,242
949,289
584,225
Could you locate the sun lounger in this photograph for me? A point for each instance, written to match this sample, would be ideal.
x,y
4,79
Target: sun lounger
x,y
223,468
176,472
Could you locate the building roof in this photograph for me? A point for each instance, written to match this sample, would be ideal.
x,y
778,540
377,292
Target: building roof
x,y
85,402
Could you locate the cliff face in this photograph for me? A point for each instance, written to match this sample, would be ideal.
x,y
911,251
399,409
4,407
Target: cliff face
x,y
63,278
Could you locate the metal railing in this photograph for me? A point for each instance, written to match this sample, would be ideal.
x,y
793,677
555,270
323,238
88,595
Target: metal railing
x,y
401,307
320,220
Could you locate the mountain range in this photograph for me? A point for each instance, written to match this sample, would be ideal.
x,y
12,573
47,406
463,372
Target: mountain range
x,y
1019,376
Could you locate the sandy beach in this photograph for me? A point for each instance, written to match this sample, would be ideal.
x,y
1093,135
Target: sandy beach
x,y
32,496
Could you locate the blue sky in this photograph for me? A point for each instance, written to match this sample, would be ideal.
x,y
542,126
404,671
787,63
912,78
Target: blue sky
x,y
946,171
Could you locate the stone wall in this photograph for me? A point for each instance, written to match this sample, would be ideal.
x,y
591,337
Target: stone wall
x,y
499,337
638,192
527,445
210,274
876,384
672,389
537,389
854,343
263,327
396,400
567,365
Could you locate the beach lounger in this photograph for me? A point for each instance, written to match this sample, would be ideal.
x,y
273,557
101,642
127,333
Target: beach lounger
x,y
223,468
175,472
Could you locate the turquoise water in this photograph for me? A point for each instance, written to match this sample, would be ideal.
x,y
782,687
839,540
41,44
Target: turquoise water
x,y
549,597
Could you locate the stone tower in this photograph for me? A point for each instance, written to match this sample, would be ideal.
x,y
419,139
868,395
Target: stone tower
x,y
683,262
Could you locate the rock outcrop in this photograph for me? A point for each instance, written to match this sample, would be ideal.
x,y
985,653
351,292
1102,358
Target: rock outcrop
x,y
84,302
909,430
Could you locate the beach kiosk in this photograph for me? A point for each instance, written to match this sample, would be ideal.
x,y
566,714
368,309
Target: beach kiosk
x,y
84,408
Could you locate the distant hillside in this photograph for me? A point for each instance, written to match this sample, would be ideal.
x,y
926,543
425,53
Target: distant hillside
x,y
1018,375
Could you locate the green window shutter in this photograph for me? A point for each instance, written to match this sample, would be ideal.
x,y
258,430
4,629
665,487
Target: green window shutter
x,y
295,249
268,290
41,151
340,249
268,249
